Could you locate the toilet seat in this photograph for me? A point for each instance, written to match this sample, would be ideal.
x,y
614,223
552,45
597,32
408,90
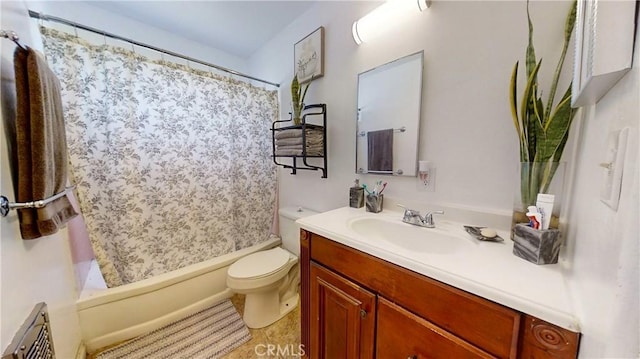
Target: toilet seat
x,y
259,264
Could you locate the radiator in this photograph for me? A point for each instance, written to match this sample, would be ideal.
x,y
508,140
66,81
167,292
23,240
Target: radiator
x,y
33,340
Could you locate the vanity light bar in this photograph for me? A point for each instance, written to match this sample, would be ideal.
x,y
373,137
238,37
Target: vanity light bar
x,y
423,4
383,17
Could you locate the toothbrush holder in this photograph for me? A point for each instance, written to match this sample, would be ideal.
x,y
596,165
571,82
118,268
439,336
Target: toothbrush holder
x,y
535,245
374,203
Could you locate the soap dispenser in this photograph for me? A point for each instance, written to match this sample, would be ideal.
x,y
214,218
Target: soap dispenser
x,y
356,195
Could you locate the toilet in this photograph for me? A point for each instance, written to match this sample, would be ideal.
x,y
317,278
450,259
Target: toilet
x,y
270,278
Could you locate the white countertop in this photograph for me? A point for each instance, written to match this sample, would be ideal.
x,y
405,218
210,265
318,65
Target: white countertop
x,y
487,269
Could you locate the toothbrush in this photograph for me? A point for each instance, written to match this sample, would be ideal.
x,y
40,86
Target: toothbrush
x,y
365,188
375,189
383,187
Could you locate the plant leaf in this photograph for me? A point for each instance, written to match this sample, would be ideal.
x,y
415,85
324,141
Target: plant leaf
x,y
536,126
538,111
513,100
531,52
304,93
556,130
568,30
532,125
560,149
526,111
295,90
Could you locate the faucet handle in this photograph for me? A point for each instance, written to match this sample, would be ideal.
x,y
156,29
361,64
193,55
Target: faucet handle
x,y
428,218
406,210
409,213
434,212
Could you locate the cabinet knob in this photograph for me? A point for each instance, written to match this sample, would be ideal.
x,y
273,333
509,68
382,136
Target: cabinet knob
x,y
412,357
363,313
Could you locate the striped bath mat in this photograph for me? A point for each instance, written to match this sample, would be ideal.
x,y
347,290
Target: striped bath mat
x,y
210,333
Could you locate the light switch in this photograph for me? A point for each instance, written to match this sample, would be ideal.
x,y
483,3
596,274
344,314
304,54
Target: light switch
x,y
613,168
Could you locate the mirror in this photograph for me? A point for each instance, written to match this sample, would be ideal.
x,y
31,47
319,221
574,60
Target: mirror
x,y
388,118
604,48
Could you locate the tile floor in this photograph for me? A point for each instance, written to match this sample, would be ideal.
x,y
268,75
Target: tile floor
x,y
282,337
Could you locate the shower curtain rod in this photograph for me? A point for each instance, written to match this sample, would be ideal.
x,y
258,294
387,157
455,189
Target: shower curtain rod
x,y
37,15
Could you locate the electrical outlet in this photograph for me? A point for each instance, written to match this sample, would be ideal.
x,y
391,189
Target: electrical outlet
x,y
613,168
427,179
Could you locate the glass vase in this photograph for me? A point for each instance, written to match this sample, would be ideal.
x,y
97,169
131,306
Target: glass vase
x,y
535,178
297,113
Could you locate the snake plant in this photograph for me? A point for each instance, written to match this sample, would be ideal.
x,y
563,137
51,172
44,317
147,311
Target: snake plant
x,y
297,98
542,128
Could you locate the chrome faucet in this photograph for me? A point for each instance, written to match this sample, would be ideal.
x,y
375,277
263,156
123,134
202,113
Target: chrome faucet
x,y
413,217
428,219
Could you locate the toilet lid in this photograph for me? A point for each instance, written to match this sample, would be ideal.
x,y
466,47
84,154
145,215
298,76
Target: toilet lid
x,y
259,264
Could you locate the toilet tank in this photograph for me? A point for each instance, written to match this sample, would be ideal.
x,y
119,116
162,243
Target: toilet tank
x,y
289,230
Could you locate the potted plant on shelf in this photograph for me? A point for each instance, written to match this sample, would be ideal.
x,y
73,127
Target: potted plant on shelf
x,y
543,128
297,99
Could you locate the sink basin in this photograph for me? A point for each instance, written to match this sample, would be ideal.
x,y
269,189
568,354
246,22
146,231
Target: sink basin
x,y
408,237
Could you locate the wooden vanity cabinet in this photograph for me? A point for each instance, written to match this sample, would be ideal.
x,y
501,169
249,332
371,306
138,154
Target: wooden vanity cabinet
x,y
355,305
345,315
403,334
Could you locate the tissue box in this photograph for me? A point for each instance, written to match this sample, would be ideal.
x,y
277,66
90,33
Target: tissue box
x,y
536,246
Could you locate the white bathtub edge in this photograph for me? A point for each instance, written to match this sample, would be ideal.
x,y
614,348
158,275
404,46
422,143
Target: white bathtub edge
x,y
140,329
116,314
167,279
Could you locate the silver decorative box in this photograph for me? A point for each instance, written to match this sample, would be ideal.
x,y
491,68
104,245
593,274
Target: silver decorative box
x,y
536,246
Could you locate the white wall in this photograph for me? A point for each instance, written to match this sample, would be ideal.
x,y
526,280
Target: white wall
x,y
466,130
38,270
604,272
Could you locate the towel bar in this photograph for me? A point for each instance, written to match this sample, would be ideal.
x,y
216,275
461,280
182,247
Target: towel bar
x,y
11,35
401,129
6,206
398,172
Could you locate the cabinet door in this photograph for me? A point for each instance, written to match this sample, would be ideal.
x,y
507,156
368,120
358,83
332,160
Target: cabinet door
x,y
485,324
402,334
342,317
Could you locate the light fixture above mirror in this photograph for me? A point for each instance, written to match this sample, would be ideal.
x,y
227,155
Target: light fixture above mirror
x,y
384,17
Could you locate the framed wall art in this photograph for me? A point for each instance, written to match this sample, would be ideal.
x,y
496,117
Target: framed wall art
x,y
308,55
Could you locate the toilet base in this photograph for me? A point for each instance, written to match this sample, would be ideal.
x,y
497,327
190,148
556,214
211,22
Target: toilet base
x,y
263,309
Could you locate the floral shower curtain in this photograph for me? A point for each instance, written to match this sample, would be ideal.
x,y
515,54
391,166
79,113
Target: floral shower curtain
x,y
172,164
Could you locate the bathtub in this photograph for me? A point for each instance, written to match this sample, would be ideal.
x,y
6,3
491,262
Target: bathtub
x,y
109,316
